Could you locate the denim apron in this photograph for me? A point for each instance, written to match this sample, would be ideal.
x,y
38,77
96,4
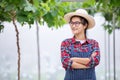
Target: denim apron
x,y
80,74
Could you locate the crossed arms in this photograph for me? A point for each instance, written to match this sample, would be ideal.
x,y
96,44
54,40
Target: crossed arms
x,y
77,62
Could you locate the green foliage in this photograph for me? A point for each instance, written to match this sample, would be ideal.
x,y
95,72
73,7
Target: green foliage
x,y
54,17
29,11
89,3
110,8
52,11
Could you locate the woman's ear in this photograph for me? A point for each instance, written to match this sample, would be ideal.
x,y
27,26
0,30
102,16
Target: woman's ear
x,y
85,26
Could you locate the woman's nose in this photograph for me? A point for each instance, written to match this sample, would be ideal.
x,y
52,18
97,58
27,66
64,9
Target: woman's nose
x,y
73,25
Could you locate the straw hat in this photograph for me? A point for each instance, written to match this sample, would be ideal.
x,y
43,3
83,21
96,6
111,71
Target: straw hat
x,y
83,13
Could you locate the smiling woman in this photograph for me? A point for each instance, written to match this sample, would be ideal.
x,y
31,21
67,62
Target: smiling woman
x,y
78,20
80,55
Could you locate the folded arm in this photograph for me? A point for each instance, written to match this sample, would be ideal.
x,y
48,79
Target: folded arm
x,y
92,61
76,65
84,62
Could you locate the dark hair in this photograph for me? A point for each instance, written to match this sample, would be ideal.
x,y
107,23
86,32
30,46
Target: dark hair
x,y
83,20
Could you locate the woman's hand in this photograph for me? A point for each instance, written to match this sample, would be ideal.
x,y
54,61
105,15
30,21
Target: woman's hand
x,y
93,54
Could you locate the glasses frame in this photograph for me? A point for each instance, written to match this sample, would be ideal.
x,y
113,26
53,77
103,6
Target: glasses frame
x,y
77,23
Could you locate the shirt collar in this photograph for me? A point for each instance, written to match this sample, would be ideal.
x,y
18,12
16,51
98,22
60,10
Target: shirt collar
x,y
74,41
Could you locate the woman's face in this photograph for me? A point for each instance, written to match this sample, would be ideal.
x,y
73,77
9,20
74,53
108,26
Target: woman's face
x,y
76,26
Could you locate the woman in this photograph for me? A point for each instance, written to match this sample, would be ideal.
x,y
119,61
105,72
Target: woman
x,y
80,55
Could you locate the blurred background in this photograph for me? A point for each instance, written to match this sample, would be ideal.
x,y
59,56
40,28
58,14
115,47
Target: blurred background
x,y
50,63
47,38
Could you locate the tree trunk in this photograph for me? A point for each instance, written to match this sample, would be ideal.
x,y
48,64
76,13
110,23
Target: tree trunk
x,y
38,49
18,46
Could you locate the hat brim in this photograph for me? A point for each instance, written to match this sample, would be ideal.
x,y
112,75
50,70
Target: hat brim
x,y
90,19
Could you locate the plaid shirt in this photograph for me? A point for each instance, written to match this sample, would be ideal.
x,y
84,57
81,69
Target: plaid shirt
x,y
66,49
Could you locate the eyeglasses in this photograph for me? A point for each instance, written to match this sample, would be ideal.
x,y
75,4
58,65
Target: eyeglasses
x,y
77,23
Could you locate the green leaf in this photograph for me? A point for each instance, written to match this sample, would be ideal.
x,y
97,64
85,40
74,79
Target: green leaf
x,y
108,16
36,3
109,30
118,22
10,8
88,3
29,7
